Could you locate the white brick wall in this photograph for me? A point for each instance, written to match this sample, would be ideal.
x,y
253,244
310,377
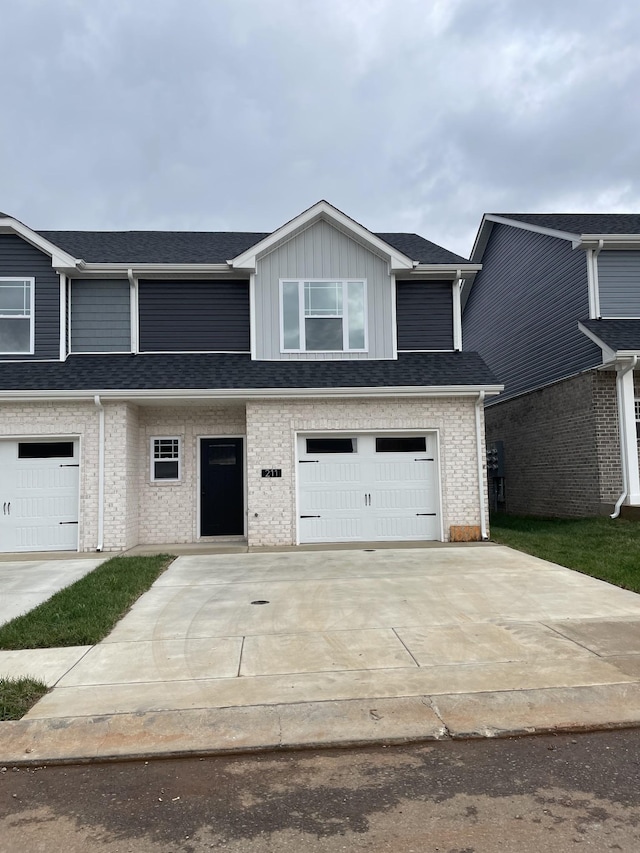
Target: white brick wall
x,y
271,428
168,511
137,510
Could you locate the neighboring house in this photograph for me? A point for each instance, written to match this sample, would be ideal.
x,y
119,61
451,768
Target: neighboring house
x,y
306,385
555,313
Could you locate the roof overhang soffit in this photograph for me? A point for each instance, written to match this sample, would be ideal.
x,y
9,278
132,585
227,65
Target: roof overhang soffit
x,y
327,212
608,354
59,258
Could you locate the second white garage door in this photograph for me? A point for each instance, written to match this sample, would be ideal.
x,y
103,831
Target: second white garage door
x,y
360,488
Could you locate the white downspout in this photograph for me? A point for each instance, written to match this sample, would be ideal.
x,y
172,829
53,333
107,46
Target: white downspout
x,y
457,312
480,459
623,435
596,279
100,408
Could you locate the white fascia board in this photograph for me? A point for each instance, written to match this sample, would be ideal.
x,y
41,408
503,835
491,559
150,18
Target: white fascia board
x,y
254,394
324,210
59,258
482,238
607,353
526,226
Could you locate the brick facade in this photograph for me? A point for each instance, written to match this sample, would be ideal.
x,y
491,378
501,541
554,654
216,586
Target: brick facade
x,y
137,510
561,446
271,430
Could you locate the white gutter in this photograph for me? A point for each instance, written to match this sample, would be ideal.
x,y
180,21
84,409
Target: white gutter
x,y
480,460
100,408
623,436
254,394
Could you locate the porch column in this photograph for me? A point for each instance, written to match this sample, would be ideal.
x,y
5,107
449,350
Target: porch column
x,y
629,444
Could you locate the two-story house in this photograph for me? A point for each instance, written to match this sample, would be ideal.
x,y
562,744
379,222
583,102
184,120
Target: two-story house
x,y
555,313
306,385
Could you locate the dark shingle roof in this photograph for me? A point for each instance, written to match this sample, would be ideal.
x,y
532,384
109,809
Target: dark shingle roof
x,y
617,334
582,223
153,247
418,249
204,247
225,371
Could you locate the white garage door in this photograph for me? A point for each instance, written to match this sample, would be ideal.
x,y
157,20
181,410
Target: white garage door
x,y
39,495
362,488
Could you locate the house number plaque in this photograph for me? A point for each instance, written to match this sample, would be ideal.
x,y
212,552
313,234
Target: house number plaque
x,y
272,472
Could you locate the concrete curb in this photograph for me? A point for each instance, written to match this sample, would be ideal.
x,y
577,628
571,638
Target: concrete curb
x,y
337,724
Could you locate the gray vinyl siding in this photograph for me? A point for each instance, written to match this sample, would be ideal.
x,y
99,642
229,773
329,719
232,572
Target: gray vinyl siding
x,y
523,310
20,259
321,251
619,283
424,311
100,316
194,316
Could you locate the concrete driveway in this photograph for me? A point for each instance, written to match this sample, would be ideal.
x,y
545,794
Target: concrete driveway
x,y
403,643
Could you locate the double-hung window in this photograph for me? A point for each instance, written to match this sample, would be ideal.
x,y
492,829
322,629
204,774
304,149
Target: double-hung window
x,y
165,459
323,315
16,315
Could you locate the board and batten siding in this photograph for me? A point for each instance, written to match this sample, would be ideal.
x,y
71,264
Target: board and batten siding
x,y
424,311
22,260
100,316
619,283
194,316
321,251
523,310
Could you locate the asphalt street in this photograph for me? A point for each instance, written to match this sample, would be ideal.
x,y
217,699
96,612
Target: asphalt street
x,y
557,793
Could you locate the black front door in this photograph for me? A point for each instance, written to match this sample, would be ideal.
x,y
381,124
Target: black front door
x,y
221,487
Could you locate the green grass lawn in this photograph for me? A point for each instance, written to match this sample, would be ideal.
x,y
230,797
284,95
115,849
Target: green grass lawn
x,y
17,695
85,612
604,548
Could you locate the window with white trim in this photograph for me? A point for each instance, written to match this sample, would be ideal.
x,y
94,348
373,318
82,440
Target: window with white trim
x,y
637,418
165,459
323,315
16,315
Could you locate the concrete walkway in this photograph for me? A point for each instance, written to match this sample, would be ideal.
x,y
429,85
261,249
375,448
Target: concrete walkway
x,y
25,584
249,651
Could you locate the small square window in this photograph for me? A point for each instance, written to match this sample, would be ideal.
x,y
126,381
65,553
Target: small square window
x,y
165,459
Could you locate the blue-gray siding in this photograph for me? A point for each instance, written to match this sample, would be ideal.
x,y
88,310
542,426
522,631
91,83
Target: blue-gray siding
x,y
100,316
321,251
424,311
20,259
194,316
523,311
619,283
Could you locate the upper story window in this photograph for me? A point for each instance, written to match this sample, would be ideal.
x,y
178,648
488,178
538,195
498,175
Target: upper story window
x,y
323,316
16,315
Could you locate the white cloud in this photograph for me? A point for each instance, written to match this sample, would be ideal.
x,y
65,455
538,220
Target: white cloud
x,y
409,115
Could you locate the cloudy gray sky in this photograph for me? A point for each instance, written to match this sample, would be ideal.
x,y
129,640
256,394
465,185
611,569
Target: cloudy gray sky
x,y
409,115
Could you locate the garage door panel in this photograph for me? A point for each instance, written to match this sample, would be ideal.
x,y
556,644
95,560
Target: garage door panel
x,y
346,528
368,495
405,527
